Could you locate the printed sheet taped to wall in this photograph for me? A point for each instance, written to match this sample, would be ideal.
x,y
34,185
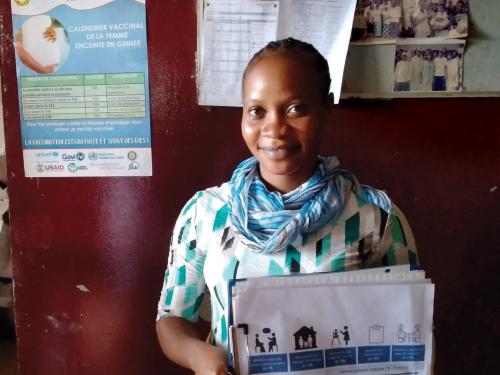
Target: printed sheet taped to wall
x,y
233,30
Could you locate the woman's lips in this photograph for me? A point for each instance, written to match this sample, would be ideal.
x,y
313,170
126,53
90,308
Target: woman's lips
x,y
277,153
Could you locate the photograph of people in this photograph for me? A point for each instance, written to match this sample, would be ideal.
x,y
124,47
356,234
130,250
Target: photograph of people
x,y
267,219
42,44
430,67
381,19
411,19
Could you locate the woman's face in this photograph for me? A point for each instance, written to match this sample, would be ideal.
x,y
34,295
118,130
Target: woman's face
x,y
283,115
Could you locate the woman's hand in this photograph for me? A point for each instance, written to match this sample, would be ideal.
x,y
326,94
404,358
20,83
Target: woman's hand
x,y
211,361
50,34
181,343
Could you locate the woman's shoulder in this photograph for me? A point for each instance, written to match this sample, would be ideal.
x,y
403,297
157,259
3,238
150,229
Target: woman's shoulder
x,y
207,202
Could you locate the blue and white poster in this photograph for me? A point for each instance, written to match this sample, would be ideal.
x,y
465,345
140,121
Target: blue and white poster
x,y
82,72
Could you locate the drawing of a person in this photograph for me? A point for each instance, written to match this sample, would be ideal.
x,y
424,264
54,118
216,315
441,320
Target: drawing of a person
x,y
401,334
309,341
417,333
272,343
301,342
345,333
336,336
258,344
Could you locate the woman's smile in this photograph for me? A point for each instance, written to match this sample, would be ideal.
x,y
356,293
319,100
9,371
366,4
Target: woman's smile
x,y
278,152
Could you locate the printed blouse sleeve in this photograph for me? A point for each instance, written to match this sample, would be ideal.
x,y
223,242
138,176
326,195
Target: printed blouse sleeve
x,y
184,284
398,244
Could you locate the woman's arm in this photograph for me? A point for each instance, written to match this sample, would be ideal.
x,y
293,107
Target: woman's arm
x,y
181,343
179,332
397,245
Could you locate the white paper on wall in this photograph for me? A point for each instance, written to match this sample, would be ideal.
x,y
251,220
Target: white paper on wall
x,y
233,30
326,24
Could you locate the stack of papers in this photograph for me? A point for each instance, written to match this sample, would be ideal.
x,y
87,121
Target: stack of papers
x,y
374,321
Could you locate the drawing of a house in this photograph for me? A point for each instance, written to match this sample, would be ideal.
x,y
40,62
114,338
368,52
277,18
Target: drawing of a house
x,y
305,338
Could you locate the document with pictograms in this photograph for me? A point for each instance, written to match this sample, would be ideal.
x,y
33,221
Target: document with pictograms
x,y
373,322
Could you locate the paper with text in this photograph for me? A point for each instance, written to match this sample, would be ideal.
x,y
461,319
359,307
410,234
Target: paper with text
x,y
233,30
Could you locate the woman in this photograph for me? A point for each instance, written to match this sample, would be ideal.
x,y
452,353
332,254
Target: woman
x,y
285,210
420,20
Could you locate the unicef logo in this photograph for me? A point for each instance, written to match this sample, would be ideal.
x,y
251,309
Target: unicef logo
x,y
80,156
72,167
93,156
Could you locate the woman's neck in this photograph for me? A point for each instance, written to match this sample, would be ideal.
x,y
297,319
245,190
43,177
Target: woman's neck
x,y
286,183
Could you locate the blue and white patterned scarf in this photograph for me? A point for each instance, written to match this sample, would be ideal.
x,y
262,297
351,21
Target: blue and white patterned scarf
x,y
267,222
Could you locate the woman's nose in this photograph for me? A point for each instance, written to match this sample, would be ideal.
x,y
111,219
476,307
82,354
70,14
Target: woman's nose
x,y
274,127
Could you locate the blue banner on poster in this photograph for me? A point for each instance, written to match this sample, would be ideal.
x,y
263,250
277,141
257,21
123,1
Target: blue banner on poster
x,y
83,87
261,364
309,360
408,353
340,357
374,354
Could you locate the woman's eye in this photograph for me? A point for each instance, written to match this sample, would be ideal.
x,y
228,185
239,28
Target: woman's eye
x,y
295,109
256,112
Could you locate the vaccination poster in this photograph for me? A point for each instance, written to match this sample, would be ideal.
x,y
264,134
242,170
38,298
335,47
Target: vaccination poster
x,y
83,87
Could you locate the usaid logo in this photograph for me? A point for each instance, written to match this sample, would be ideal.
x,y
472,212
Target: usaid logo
x,y
54,168
41,168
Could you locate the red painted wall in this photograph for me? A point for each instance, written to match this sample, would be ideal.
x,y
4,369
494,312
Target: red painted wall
x,y
438,158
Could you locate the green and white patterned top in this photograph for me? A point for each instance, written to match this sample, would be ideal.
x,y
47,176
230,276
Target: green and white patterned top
x,y
205,253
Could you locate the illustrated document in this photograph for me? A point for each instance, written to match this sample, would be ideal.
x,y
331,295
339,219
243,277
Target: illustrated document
x,y
377,321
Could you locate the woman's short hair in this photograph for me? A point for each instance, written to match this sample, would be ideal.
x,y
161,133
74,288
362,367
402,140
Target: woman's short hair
x,y
291,45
